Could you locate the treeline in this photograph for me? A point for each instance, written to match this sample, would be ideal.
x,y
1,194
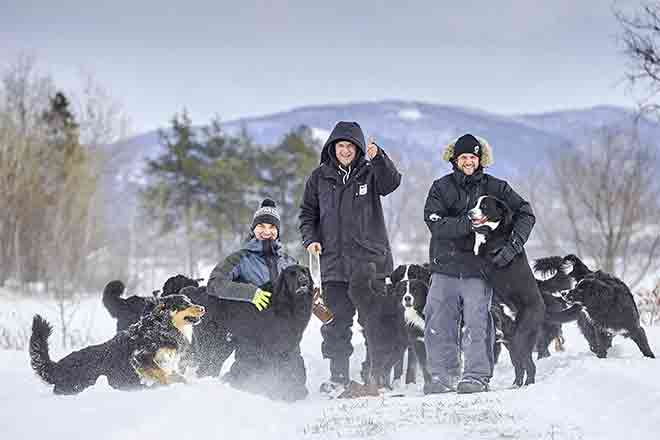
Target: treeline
x,y
206,185
51,206
63,231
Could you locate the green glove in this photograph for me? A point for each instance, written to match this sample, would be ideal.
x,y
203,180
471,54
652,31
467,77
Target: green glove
x,y
261,299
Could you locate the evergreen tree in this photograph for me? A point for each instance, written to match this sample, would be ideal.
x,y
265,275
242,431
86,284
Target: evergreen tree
x,y
175,194
283,171
230,180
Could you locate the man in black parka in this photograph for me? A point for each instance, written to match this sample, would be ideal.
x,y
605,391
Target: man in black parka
x,y
342,219
458,286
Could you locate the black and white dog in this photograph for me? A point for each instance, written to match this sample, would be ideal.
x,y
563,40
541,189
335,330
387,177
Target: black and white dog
x,y
412,282
513,285
603,307
381,316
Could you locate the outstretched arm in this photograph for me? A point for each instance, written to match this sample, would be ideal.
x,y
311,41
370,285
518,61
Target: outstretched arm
x,y
386,175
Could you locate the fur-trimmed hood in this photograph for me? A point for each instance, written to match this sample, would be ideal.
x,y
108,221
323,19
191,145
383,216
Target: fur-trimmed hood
x,y
486,153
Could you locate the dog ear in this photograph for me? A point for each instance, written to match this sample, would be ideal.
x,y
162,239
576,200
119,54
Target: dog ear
x,y
397,274
283,292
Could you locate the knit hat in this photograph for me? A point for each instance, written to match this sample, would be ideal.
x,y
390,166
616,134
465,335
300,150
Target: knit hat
x,y
467,144
268,213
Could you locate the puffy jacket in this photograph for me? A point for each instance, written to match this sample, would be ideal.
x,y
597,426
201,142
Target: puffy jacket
x,y
445,214
241,273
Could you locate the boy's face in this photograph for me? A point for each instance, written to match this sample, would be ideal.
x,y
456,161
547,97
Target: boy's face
x,y
265,231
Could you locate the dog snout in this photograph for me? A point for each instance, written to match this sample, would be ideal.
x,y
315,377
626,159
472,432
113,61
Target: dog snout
x,y
408,300
200,310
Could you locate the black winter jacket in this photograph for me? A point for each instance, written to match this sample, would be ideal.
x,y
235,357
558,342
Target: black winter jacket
x,y
445,213
341,209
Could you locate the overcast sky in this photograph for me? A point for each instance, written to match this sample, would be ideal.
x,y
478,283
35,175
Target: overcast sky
x,y
248,58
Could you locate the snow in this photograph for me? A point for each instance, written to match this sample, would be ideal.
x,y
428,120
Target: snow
x,y
410,114
577,396
320,134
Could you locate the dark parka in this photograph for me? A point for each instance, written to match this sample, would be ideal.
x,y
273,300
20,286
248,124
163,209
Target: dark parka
x,y
341,207
445,213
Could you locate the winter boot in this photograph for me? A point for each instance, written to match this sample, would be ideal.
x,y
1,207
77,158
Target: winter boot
x,y
471,385
436,386
339,378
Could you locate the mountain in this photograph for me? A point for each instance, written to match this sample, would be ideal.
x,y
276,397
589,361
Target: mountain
x,y
410,130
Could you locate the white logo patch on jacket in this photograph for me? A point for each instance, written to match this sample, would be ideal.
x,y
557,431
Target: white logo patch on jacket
x,y
362,190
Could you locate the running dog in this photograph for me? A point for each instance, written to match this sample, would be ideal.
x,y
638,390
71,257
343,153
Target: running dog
x,y
603,306
147,353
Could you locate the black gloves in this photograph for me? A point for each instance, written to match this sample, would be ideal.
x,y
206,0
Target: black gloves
x,y
503,256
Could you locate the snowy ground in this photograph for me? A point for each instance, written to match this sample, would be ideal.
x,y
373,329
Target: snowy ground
x,y
577,397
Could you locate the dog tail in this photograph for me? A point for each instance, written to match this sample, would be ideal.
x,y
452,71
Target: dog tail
x,y
112,297
548,266
39,357
578,269
567,315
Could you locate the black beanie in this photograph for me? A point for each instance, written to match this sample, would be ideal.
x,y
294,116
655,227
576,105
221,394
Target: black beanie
x,y
268,213
467,144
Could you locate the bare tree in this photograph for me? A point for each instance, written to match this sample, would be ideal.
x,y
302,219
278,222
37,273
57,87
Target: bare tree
x,y
640,37
648,301
101,116
601,201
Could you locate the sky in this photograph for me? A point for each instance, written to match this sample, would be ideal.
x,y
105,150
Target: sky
x,y
251,58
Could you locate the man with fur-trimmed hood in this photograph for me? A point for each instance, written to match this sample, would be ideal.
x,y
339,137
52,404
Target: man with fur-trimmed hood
x,y
457,283
342,219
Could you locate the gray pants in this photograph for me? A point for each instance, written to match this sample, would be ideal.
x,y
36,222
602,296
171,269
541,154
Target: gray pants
x,y
447,299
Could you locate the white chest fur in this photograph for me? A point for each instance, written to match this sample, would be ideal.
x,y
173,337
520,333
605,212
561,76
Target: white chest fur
x,y
413,319
187,332
167,360
480,239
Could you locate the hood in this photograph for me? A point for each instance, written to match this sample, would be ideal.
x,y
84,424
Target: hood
x,y
344,131
486,154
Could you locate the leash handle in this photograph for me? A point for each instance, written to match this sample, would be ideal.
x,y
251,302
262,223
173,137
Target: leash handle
x,y
319,308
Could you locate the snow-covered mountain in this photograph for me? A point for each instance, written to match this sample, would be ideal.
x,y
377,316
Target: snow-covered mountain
x,y
413,130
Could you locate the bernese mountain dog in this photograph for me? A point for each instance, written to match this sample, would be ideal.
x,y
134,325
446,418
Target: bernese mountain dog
x,y
147,353
603,306
514,285
381,315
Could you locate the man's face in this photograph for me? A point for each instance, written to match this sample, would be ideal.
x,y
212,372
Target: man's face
x,y
265,231
345,152
468,163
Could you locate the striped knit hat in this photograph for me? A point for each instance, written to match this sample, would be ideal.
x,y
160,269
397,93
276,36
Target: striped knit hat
x,y
267,213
